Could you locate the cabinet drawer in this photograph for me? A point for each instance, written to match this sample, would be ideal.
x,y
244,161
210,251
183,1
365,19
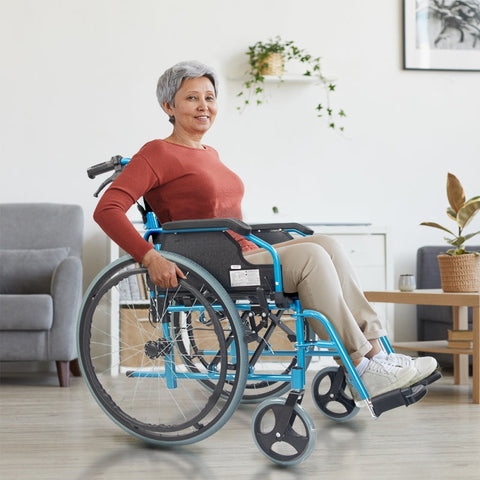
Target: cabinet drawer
x,y
363,250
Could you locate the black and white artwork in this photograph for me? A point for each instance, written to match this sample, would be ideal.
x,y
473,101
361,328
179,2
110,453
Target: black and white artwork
x,y
442,34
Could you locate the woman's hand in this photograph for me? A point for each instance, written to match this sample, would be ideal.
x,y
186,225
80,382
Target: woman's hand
x,y
163,273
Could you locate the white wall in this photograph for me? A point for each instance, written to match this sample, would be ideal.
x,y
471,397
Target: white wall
x,y
78,80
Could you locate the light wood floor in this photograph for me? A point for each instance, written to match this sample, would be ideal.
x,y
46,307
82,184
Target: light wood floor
x,y
54,433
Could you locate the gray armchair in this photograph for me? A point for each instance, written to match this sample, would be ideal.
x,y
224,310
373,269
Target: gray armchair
x,y
40,283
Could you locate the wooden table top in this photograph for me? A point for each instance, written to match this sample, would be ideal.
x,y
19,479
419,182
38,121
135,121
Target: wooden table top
x,y
425,297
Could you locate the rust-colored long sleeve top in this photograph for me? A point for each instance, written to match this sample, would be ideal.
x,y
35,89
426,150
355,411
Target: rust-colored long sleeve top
x,y
179,183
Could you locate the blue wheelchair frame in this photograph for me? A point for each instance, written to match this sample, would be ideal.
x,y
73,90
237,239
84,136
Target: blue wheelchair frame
x,y
303,348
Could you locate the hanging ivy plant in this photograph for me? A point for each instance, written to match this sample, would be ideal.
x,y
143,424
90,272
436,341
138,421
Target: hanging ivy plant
x,y
260,62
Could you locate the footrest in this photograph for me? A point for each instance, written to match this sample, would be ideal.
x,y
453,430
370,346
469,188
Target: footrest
x,y
433,377
398,398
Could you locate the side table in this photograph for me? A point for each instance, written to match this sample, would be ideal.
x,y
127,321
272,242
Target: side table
x,y
460,302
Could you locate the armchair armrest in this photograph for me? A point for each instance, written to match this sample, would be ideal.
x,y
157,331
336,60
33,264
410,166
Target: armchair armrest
x,y
66,291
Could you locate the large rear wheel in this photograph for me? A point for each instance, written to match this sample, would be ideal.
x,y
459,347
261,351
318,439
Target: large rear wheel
x,y
135,352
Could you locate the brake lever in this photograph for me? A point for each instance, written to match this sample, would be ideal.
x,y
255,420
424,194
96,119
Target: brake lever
x,y
116,173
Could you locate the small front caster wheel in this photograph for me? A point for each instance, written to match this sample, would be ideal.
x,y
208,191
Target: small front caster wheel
x,y
285,441
332,396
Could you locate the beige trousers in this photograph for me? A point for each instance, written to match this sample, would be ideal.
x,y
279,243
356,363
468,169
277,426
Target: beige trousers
x,y
318,269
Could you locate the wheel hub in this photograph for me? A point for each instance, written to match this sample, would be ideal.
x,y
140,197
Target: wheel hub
x,y
155,349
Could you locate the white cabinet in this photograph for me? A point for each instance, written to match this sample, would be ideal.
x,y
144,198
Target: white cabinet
x,y
369,251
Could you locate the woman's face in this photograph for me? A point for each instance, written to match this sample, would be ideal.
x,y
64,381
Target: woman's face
x,y
195,106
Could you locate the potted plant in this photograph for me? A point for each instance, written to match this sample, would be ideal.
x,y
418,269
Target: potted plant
x,y
269,58
459,268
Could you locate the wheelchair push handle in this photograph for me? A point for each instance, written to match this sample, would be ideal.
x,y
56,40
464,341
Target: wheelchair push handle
x,y
116,163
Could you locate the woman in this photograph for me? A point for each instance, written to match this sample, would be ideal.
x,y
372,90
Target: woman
x,y
181,178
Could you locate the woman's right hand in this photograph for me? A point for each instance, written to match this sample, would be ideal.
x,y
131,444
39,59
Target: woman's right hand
x,y
162,272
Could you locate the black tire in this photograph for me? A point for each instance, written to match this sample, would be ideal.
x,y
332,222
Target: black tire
x,y
134,362
287,445
332,395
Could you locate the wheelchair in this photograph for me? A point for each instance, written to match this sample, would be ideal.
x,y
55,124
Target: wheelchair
x,y
170,366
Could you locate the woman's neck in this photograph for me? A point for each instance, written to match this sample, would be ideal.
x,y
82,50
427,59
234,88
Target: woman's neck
x,y
185,140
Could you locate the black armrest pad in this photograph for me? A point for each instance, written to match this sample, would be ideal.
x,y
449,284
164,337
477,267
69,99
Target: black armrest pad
x,y
283,226
228,223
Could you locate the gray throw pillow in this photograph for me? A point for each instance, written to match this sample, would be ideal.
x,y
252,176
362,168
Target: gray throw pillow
x,y
29,271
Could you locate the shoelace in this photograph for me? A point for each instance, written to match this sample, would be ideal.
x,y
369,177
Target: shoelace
x,y
376,366
399,359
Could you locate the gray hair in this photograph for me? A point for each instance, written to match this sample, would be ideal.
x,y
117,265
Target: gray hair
x,y
171,80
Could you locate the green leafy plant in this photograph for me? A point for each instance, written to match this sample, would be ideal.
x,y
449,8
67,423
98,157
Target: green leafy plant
x,y
258,58
462,212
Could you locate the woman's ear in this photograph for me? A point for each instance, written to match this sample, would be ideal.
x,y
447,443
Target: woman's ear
x,y
168,108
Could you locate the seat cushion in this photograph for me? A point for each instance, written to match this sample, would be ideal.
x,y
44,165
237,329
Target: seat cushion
x,y
29,271
26,312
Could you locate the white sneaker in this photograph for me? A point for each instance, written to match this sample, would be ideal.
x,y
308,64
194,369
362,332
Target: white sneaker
x,y
382,376
425,366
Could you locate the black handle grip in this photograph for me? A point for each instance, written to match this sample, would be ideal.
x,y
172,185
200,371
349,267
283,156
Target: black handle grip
x,y
103,167
98,169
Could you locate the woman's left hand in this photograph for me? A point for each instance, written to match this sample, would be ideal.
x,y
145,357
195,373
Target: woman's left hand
x,y
163,272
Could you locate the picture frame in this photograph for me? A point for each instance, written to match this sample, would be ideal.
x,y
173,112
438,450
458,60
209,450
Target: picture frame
x,y
441,35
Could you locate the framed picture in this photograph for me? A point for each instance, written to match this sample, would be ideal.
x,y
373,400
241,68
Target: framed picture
x,y
441,34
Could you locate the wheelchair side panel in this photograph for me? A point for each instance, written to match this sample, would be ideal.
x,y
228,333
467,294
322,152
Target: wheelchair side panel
x,y
222,256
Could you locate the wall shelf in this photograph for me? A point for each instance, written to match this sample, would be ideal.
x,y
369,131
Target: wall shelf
x,y
289,78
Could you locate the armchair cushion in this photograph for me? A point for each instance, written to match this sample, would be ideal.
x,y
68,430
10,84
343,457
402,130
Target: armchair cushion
x,y
26,312
29,271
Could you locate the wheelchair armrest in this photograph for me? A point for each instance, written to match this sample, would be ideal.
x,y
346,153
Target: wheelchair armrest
x,y
282,226
227,223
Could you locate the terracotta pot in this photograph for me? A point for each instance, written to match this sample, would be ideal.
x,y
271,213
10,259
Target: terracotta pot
x,y
460,273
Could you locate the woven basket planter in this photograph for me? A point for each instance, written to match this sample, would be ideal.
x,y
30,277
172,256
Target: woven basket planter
x,y
460,273
275,65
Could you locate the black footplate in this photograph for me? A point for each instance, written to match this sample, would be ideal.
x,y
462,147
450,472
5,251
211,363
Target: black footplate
x,y
398,398
433,377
